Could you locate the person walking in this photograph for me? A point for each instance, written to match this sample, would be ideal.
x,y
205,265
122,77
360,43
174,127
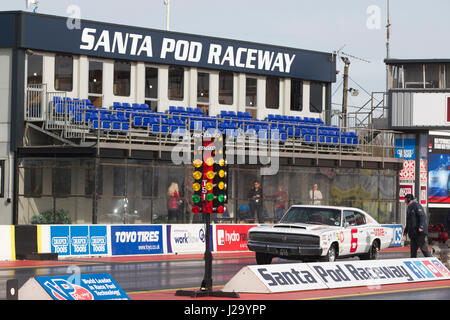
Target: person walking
x,y
416,226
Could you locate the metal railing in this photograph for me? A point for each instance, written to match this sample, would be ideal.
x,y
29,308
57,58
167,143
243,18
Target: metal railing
x,y
130,129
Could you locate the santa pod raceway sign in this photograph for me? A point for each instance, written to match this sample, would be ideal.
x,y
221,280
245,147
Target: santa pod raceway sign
x,y
82,287
310,276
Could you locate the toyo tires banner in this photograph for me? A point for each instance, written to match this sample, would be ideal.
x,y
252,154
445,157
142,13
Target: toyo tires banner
x,y
136,239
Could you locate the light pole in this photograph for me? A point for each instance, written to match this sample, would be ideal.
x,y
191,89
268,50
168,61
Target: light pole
x,y
167,4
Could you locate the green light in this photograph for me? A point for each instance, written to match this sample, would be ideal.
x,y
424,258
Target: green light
x,y
196,198
221,198
210,197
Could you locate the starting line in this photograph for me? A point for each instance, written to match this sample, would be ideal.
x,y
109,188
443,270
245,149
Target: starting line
x,y
312,276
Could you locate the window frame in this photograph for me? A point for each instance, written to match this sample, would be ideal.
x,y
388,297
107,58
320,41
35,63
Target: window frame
x,y
221,80
57,85
311,109
117,91
268,97
170,87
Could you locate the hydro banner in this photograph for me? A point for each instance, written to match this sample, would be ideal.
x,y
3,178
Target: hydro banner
x,y
232,237
79,240
82,287
343,274
136,239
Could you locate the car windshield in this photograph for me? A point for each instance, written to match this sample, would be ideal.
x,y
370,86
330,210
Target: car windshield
x,y
331,217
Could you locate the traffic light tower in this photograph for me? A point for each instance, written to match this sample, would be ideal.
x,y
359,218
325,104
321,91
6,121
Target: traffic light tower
x,y
209,196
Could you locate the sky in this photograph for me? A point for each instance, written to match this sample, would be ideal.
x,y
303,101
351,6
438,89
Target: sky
x,y
419,28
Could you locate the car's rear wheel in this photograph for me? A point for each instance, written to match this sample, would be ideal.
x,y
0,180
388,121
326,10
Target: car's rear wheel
x,y
263,258
373,252
331,254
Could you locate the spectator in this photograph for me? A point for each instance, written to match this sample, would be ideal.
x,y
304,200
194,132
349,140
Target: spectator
x,y
281,199
315,195
255,197
173,203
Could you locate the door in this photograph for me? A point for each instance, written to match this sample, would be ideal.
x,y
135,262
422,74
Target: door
x,y
355,233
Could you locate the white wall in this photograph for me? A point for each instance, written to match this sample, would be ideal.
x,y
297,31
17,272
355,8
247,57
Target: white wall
x,y
137,89
5,133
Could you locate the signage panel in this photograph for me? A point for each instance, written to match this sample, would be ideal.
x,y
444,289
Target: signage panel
x,y
136,239
328,275
82,287
157,46
184,238
78,240
232,237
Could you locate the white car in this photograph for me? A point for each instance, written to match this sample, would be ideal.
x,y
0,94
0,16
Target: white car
x,y
324,233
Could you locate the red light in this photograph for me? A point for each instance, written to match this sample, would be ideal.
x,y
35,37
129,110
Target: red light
x,y
220,209
195,209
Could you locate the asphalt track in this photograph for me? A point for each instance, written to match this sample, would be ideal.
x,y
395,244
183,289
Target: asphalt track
x,y
158,277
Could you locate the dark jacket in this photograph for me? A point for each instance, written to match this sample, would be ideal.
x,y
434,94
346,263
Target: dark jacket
x,y
253,192
415,219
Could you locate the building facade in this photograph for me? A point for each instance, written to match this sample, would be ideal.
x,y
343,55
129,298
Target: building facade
x,y
90,114
419,95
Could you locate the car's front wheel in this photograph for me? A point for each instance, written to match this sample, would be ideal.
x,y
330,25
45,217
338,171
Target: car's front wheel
x,y
263,258
331,254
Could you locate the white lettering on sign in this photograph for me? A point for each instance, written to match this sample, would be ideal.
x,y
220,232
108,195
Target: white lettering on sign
x,y
133,44
128,43
140,236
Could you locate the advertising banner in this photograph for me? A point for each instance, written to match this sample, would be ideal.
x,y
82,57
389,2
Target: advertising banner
x,y
405,149
186,238
321,275
378,272
439,178
397,234
232,237
136,239
79,240
82,287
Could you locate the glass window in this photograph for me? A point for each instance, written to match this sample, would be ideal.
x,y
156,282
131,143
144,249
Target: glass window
x,y
151,88
61,179
34,73
432,76
226,84
447,76
349,217
203,87
250,92
122,78
63,72
151,83
176,83
95,82
413,74
296,95
397,77
360,219
272,92
315,97
33,182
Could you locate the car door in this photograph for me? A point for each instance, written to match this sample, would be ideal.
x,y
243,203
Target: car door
x,y
363,232
354,235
